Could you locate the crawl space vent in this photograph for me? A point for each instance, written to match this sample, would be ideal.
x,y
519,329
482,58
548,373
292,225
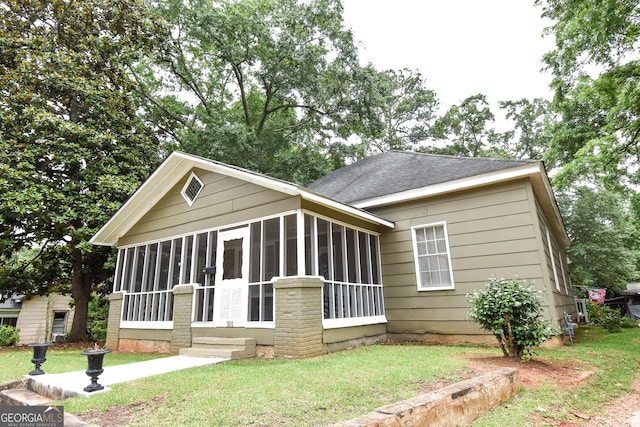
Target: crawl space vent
x,y
191,189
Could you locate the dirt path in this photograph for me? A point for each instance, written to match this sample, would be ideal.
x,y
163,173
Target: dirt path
x,y
619,411
536,373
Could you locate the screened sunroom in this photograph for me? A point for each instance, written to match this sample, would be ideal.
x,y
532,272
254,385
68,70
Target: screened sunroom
x,y
207,250
233,268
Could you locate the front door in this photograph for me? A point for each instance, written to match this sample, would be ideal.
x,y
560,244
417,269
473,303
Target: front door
x,y
232,278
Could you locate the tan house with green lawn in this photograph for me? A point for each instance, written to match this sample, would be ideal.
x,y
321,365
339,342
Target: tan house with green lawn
x,y
211,255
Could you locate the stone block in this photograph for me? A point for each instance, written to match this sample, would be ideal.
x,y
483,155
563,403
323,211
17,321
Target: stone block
x,y
454,405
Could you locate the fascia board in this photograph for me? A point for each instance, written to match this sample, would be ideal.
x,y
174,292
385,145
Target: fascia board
x,y
451,186
345,208
173,169
148,194
536,171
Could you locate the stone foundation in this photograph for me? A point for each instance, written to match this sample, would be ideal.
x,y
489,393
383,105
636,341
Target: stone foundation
x,y
144,346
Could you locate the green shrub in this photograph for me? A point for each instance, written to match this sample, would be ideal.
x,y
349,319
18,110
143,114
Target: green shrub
x,y
628,322
611,321
512,311
609,318
97,318
8,335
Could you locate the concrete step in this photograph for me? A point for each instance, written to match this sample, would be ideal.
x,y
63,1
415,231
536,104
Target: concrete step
x,y
23,397
228,348
222,341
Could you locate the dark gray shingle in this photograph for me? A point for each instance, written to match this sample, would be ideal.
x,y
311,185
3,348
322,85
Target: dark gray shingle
x,y
396,171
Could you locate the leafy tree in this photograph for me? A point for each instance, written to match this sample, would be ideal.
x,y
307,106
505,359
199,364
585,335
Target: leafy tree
x,y
405,109
512,311
98,317
465,129
595,66
262,84
602,250
71,146
532,121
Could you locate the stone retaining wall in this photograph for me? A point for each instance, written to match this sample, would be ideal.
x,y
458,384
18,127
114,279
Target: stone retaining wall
x,y
454,405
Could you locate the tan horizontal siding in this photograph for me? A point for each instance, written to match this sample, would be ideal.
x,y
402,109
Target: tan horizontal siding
x,y
464,249
498,210
490,231
527,272
487,196
396,299
505,234
559,300
145,334
32,320
507,259
498,222
431,313
336,335
222,201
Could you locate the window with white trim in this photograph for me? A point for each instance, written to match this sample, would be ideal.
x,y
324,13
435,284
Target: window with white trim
x,y
192,189
432,257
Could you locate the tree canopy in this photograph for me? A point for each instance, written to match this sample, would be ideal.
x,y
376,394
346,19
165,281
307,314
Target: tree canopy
x,y
405,110
93,93
260,84
595,65
71,146
467,129
603,250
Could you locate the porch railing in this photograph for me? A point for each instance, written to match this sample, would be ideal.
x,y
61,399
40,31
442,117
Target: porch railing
x,y
154,306
347,300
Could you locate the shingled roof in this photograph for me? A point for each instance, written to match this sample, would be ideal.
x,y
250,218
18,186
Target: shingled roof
x,y
394,172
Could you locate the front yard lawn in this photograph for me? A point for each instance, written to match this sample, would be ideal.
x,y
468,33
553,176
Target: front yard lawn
x,y
14,363
561,385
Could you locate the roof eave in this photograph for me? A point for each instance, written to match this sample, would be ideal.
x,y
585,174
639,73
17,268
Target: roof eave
x,y
173,169
451,186
345,208
533,170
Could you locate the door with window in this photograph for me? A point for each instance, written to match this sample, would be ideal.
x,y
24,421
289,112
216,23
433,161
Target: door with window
x,y
232,278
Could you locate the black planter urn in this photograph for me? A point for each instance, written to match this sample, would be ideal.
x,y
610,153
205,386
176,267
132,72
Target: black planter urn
x,y
94,360
39,353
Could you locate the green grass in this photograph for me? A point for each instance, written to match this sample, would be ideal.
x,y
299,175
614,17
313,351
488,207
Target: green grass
x,y
16,363
344,385
615,360
281,392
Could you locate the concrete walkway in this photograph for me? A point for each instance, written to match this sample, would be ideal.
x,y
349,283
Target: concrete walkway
x,y
62,386
72,383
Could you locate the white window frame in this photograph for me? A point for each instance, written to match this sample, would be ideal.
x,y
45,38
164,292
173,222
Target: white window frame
x,y
191,201
414,239
553,261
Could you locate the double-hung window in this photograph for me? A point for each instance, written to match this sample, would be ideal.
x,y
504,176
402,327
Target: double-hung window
x,y
432,257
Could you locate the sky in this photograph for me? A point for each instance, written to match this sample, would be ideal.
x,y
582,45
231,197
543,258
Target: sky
x,y
461,47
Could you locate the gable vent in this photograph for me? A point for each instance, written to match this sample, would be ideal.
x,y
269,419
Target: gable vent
x,y
191,189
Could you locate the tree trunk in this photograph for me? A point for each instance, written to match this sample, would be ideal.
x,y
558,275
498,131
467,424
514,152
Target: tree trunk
x,y
81,293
